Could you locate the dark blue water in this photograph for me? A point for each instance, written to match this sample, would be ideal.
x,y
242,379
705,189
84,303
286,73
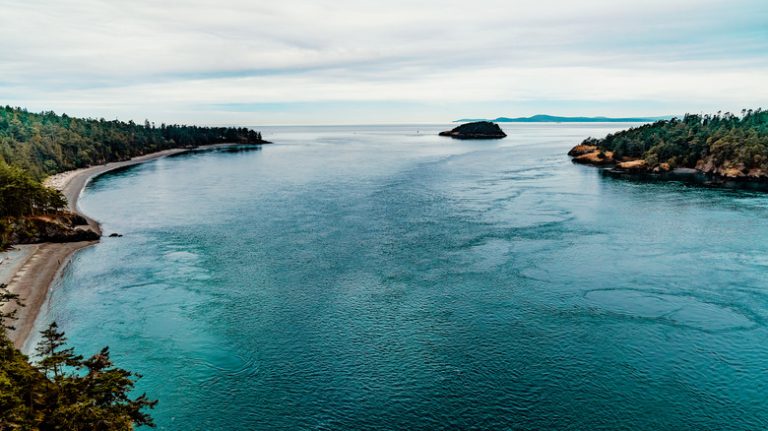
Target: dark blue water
x,y
385,278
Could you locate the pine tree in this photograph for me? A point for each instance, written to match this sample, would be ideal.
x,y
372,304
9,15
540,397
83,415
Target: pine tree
x,y
96,400
54,358
6,317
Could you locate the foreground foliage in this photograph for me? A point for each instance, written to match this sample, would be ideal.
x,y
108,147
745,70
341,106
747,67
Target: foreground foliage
x,y
722,144
62,390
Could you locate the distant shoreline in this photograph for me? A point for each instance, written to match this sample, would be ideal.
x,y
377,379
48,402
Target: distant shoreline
x,y
34,278
541,118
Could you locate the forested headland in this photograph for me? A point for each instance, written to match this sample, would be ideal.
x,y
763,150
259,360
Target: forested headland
x,y
724,145
46,143
35,145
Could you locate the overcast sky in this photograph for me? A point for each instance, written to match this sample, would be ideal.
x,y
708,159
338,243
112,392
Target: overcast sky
x,y
262,62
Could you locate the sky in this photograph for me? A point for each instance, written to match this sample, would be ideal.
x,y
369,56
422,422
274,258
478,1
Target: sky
x,y
261,62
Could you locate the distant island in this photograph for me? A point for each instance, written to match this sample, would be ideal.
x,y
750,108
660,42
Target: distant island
x,y
724,147
476,130
542,118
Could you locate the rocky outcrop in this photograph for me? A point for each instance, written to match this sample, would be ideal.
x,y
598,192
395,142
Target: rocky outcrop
x,y
708,171
61,227
595,158
723,148
730,170
582,149
586,154
639,165
478,130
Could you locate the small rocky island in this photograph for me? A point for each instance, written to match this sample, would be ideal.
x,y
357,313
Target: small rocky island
x,y
717,149
477,130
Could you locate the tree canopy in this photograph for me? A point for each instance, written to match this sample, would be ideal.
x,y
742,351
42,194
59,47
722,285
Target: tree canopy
x,y
720,141
61,390
47,143
21,195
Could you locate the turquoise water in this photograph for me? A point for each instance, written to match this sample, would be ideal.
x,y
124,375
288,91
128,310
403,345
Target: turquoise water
x,y
382,278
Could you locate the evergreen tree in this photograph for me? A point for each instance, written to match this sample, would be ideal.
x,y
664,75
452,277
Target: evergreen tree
x,y
46,143
7,317
54,357
720,141
64,392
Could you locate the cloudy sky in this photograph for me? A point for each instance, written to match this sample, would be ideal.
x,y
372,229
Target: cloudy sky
x,y
262,62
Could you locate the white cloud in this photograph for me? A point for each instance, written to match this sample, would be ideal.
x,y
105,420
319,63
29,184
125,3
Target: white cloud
x,y
140,59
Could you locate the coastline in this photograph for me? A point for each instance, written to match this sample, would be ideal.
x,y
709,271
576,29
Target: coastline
x,y
40,266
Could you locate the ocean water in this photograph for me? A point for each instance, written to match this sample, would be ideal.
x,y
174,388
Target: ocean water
x,y
384,278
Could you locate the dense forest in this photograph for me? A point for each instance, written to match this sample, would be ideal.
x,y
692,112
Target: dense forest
x,y
22,195
33,146
724,144
28,209
46,143
62,390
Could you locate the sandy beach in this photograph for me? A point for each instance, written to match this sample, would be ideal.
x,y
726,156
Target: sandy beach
x,y
30,270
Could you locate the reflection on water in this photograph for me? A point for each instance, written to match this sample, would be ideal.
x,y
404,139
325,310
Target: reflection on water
x,y
694,178
380,278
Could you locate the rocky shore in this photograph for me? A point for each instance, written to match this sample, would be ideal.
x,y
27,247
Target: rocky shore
x,y
706,171
60,227
719,148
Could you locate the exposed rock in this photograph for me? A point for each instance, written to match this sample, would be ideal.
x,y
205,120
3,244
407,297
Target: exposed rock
x,y
586,154
730,170
78,220
62,227
115,235
706,165
596,158
478,130
638,165
709,170
732,173
582,149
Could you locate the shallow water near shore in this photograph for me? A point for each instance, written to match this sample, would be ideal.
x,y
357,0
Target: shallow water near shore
x,y
386,278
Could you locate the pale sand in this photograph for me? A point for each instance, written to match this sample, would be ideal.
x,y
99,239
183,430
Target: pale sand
x,y
12,260
36,267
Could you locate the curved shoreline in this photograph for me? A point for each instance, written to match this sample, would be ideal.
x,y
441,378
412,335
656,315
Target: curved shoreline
x,y
43,267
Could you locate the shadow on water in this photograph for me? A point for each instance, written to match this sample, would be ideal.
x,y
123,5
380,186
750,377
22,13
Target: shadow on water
x,y
236,149
697,179
223,149
121,169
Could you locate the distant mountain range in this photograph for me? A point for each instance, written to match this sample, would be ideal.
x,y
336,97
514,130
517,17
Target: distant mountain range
x,y
541,118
